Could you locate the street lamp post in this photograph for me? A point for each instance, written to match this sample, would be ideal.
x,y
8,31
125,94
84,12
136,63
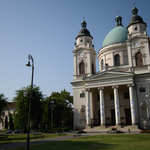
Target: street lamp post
x,y
51,107
28,125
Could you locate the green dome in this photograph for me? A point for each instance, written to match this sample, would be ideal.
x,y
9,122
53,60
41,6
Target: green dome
x,y
116,35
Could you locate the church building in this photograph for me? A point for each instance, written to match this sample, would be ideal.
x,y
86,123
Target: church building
x,y
119,94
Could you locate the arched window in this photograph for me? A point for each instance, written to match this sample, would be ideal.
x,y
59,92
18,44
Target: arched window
x,y
92,68
82,114
143,111
117,60
139,59
81,68
102,64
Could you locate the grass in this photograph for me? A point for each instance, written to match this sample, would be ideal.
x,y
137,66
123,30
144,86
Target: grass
x,y
99,142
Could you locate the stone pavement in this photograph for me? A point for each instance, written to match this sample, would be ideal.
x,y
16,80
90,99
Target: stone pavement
x,y
42,141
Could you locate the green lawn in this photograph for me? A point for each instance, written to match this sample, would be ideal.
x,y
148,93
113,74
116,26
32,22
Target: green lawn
x,y
100,142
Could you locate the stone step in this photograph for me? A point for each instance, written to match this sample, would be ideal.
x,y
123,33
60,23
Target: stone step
x,y
105,129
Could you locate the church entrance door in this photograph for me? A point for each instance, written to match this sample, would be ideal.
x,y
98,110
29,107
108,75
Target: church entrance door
x,y
98,117
113,120
128,116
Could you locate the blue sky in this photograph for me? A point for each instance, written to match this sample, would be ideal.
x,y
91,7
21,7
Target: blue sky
x,y
47,29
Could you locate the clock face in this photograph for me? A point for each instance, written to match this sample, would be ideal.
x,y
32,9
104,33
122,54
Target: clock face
x,y
81,55
137,44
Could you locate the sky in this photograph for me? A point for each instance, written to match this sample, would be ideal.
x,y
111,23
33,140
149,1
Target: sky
x,y
47,29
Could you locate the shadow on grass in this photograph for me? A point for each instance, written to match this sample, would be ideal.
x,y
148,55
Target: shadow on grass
x,y
17,138
74,145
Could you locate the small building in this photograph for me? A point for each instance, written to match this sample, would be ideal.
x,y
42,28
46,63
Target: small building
x,y
116,95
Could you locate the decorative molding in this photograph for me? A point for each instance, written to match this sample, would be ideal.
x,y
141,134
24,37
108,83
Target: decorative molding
x,y
130,85
88,90
115,87
101,88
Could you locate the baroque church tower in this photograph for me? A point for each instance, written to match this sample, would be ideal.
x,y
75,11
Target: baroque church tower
x,y
138,41
84,54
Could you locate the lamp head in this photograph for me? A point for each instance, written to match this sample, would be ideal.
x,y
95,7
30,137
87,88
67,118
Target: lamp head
x,y
28,64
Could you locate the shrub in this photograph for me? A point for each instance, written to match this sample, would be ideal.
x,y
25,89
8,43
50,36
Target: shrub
x,y
145,131
65,129
114,128
77,128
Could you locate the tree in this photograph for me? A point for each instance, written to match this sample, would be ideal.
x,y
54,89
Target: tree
x,y
6,122
21,115
11,123
3,105
62,109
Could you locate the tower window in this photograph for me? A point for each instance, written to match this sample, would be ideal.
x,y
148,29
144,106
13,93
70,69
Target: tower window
x,y
135,28
139,59
92,68
102,64
117,60
81,68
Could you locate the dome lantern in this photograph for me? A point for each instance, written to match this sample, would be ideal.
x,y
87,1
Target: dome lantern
x,y
118,20
134,11
83,24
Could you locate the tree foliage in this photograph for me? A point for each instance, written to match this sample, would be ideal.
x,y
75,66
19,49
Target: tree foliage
x,y
6,122
3,105
42,110
11,122
62,110
22,112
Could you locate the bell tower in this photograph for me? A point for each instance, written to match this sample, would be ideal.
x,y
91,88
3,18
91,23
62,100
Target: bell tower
x,y
84,54
138,41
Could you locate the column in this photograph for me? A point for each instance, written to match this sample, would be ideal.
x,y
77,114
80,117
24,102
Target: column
x,y
88,115
102,107
132,104
117,107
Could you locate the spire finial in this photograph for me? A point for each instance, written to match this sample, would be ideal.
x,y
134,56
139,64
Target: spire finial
x,y
83,24
134,10
118,13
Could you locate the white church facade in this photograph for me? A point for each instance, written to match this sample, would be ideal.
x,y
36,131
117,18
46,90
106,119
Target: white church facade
x,y
118,94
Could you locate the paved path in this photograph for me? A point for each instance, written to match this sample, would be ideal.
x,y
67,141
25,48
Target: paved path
x,y
42,141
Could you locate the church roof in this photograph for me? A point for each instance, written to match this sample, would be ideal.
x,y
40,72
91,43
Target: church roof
x,y
135,18
116,35
84,31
